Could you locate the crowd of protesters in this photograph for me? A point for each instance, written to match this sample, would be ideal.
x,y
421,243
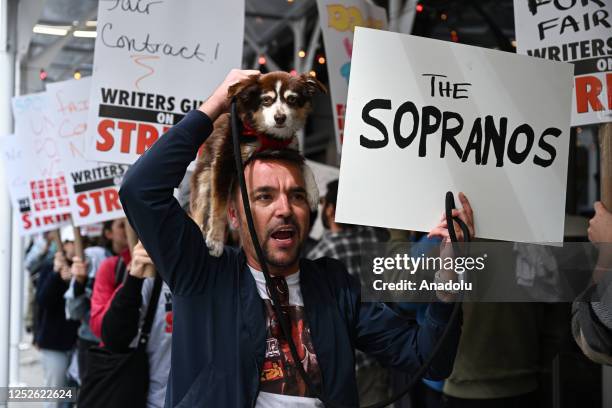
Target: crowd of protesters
x,y
103,302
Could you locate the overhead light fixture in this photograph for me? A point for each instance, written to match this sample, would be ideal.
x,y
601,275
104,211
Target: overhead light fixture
x,y
84,34
51,30
91,23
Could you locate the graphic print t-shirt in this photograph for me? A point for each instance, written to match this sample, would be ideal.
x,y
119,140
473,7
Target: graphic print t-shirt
x,y
280,383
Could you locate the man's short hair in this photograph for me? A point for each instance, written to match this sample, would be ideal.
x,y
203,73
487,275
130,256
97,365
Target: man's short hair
x,y
286,155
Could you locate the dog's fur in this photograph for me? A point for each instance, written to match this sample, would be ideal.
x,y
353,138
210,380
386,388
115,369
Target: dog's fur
x,y
276,105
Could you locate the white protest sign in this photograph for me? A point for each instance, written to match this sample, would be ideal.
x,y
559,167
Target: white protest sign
x,y
323,174
154,61
43,173
573,31
338,19
16,161
425,117
92,187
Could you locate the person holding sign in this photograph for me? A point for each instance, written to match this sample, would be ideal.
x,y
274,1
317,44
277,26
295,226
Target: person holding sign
x,y
592,311
227,350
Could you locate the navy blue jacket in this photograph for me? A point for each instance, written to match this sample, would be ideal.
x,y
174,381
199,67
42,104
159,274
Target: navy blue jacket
x,y
218,339
53,331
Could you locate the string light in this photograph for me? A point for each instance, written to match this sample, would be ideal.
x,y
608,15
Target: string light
x,y
454,36
262,60
301,53
77,74
312,74
443,16
419,7
513,42
43,74
321,60
293,72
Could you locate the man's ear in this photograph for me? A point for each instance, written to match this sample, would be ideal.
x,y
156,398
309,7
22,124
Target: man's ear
x,y
245,89
311,85
232,215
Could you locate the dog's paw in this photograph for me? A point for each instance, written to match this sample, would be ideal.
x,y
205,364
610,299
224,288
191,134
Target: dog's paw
x,y
215,248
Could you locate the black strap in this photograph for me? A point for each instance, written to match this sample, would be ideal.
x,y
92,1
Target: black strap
x,y
151,308
450,206
120,268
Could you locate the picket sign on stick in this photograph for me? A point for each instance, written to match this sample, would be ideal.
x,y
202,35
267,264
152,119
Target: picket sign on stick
x,y
148,74
426,116
46,184
16,158
93,188
338,19
577,32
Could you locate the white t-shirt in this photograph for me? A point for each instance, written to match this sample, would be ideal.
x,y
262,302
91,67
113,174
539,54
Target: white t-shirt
x,y
280,384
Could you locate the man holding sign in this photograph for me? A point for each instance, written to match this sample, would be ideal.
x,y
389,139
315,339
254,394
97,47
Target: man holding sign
x,y
227,349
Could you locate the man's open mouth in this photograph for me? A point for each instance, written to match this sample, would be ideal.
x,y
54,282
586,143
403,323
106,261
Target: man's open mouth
x,y
284,233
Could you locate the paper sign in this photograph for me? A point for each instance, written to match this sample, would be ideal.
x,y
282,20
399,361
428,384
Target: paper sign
x,y
153,63
425,117
323,174
338,19
92,187
42,171
574,31
15,159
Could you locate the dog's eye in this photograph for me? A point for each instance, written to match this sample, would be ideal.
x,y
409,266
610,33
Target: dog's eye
x,y
266,100
291,99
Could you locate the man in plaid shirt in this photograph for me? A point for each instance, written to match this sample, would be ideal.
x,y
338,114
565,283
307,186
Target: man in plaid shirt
x,y
344,242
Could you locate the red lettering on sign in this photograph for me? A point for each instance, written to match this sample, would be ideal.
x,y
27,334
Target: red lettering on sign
x,y
146,135
41,221
104,128
99,201
588,89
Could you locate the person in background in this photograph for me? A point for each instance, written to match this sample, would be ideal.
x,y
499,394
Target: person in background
x,y
592,310
55,335
125,317
343,242
110,275
78,295
40,253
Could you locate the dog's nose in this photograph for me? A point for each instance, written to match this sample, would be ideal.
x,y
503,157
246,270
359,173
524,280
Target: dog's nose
x,y
280,118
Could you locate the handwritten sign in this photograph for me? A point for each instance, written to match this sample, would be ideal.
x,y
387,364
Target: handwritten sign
x,y
35,129
93,188
573,31
338,19
148,73
15,158
425,117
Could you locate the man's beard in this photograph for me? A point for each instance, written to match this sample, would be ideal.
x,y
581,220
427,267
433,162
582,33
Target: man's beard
x,y
297,248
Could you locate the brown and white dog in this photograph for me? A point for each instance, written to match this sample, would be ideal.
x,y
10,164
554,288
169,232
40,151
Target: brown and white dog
x,y
272,108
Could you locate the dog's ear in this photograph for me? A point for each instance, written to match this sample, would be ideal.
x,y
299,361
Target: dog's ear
x,y
245,89
311,85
